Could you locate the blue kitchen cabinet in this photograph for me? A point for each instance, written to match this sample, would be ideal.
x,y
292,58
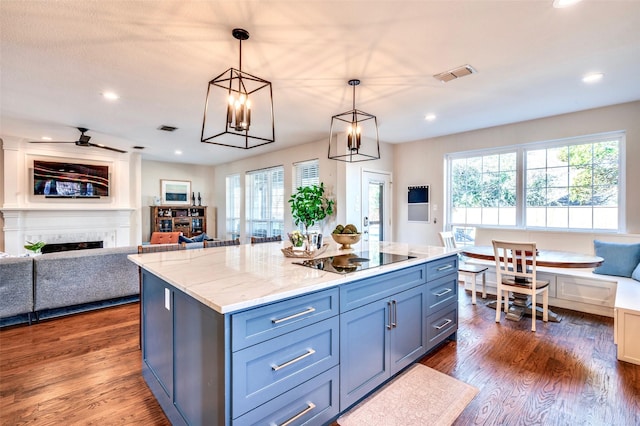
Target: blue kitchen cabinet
x,y
379,339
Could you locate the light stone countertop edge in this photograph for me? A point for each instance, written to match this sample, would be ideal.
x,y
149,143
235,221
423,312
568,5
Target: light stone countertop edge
x,y
235,278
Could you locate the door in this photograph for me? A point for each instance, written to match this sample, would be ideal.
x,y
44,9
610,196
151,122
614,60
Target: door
x,y
408,321
376,206
364,350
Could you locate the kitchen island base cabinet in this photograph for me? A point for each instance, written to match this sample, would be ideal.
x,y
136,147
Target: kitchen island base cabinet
x,y
379,339
298,360
183,354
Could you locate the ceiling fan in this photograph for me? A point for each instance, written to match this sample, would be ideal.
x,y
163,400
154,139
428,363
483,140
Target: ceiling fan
x,y
83,141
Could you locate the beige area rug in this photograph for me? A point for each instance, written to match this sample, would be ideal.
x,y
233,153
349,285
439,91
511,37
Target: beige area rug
x,y
419,396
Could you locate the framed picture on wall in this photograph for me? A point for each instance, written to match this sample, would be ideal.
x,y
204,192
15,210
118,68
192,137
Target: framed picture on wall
x,y
175,192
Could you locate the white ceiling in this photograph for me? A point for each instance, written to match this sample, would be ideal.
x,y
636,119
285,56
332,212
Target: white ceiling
x,y
57,57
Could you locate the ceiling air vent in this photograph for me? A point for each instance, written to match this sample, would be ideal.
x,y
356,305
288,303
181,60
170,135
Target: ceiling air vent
x,y
455,73
167,128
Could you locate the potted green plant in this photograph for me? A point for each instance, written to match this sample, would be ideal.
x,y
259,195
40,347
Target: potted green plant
x,y
310,205
35,247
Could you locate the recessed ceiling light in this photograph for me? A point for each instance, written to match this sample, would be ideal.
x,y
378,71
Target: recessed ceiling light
x,y
112,96
592,77
178,152
559,4
430,117
46,138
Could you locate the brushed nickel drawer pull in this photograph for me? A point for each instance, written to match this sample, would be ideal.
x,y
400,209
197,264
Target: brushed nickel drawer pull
x,y
444,268
446,323
299,314
293,361
389,314
310,406
448,290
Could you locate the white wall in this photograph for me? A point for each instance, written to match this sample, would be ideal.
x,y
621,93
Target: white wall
x,y
423,161
341,179
201,178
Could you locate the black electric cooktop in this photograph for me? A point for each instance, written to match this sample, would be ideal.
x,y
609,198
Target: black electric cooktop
x,y
352,262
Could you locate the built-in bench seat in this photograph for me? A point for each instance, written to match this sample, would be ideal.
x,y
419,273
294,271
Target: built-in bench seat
x,y
579,288
626,321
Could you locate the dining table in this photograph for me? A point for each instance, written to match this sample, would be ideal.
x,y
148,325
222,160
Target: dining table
x,y
548,258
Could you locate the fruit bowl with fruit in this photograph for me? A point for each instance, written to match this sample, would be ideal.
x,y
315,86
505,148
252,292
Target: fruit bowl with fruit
x,y
346,235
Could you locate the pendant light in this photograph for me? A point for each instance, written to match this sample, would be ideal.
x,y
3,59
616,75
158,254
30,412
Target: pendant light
x,y
354,134
238,109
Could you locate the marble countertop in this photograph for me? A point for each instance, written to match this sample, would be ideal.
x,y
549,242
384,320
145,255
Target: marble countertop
x,y
233,278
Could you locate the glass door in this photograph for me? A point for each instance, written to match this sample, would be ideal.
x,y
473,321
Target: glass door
x,y
376,206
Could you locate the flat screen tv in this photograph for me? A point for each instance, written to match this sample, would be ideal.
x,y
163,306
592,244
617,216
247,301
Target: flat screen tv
x,y
70,180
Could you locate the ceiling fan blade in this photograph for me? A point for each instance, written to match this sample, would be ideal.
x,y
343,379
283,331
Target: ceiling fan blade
x,y
50,142
106,147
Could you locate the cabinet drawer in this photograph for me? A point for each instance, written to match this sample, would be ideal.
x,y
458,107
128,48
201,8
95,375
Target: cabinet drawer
x,y
266,322
441,267
313,402
268,369
359,293
441,292
442,324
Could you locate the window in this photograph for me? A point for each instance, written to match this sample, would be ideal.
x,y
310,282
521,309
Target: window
x,y
265,202
233,206
306,173
572,184
483,189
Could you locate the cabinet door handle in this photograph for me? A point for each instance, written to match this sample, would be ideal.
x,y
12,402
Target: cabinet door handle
x,y
445,267
310,406
394,324
293,361
444,324
389,314
442,293
299,314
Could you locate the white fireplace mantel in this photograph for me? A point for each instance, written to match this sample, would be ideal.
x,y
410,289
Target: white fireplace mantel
x,y
114,220
111,226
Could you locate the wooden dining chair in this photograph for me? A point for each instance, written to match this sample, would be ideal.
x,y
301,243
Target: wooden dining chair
x,y
222,243
465,269
258,240
516,272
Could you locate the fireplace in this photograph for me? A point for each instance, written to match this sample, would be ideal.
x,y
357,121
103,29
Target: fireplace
x,y
81,245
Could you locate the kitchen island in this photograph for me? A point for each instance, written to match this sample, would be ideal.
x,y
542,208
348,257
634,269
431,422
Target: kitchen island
x,y
243,335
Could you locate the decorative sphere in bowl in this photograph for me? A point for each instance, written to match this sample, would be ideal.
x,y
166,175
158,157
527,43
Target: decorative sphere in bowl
x,y
346,239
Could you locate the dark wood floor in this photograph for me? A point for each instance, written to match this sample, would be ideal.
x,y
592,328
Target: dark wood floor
x,y
85,369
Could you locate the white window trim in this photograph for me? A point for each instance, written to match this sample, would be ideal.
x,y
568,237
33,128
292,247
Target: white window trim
x,y
520,178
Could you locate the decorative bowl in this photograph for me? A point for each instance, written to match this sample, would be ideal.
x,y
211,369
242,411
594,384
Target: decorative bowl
x,y
346,239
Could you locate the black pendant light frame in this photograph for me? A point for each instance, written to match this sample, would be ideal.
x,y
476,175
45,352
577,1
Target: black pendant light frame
x,y
237,82
354,118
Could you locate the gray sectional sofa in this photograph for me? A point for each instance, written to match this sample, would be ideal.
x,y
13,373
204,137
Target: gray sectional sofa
x,y
16,286
30,285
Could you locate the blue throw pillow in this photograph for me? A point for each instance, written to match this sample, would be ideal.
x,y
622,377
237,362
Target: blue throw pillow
x,y
183,239
619,259
200,238
636,273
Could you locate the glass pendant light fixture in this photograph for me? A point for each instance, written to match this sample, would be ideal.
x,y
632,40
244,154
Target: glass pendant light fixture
x,y
354,134
238,110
